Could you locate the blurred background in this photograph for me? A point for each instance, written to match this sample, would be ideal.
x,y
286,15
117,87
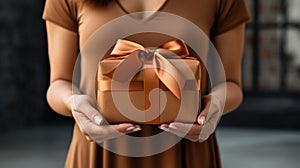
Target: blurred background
x,y
263,132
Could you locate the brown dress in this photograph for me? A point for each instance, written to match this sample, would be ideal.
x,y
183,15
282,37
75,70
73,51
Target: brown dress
x,y
214,17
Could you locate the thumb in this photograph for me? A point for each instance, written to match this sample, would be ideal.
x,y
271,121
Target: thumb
x,y
210,109
84,104
202,116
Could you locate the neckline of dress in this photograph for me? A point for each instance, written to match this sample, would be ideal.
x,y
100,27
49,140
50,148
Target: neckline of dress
x,y
146,18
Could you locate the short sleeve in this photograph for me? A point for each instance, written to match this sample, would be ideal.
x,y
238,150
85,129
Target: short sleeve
x,y
62,13
230,13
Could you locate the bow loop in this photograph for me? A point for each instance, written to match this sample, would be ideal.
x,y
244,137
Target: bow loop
x,y
125,47
176,48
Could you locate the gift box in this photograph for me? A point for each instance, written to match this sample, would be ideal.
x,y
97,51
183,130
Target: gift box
x,y
149,85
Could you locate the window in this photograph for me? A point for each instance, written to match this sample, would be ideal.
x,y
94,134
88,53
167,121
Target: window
x,y
272,50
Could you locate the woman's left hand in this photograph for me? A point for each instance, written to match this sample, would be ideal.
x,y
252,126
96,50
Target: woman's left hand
x,y
206,123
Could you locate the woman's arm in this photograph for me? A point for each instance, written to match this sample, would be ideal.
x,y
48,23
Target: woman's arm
x,y
230,47
63,51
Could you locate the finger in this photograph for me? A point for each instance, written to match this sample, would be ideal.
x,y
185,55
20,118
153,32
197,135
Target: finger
x,y
126,128
214,119
189,129
207,112
182,129
163,126
94,115
209,127
203,114
84,104
86,126
137,128
201,119
172,130
91,113
102,133
80,120
189,135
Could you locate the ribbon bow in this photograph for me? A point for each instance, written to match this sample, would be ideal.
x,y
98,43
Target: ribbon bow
x,y
136,56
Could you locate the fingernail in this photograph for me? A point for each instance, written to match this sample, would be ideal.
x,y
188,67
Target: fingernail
x,y
161,127
172,126
98,120
130,128
137,129
202,120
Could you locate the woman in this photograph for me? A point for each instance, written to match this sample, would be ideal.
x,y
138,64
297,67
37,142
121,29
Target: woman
x,y
69,25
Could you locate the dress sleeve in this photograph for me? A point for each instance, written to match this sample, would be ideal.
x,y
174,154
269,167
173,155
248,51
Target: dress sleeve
x,y
230,13
62,13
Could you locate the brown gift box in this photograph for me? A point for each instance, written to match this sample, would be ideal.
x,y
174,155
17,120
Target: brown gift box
x,y
188,104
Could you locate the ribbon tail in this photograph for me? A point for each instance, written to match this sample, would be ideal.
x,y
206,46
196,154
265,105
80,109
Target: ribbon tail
x,y
168,74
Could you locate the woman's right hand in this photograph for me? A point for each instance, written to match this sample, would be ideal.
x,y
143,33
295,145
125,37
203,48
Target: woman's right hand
x,y
90,120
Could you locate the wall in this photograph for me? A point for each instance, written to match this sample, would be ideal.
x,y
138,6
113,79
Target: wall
x,y
23,63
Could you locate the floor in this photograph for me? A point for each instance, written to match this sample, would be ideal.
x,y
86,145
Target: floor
x,y
46,147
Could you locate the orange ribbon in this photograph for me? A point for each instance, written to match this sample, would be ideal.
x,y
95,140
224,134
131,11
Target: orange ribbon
x,y
136,56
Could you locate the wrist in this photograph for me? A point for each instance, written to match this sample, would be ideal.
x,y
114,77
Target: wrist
x,y
213,100
69,98
68,101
